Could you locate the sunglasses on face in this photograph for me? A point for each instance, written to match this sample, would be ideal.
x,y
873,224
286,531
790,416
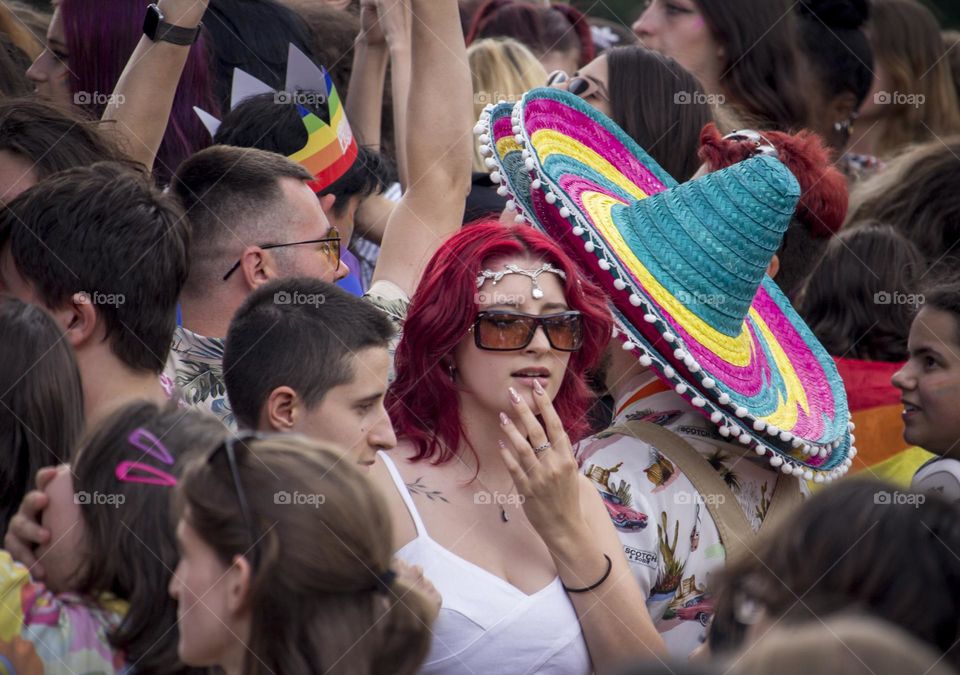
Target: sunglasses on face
x,y
503,331
330,248
579,86
228,447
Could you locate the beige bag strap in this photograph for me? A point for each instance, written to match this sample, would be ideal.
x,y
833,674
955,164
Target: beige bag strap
x,y
736,534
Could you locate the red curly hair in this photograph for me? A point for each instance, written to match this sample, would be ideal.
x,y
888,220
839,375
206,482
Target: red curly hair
x,y
422,401
823,189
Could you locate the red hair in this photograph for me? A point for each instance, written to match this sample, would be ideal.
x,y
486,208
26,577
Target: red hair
x,y
422,401
823,189
534,25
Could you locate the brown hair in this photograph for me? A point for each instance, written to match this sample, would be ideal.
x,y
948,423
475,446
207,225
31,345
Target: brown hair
x,y
917,194
666,120
228,192
848,548
852,644
41,400
906,42
325,539
760,75
130,547
847,298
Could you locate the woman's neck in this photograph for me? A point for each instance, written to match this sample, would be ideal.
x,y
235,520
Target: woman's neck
x,y
482,431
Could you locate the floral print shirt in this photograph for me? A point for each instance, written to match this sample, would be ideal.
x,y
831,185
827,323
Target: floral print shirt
x,y
196,361
43,632
669,537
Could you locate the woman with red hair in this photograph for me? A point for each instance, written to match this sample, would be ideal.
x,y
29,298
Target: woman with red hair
x,y
483,486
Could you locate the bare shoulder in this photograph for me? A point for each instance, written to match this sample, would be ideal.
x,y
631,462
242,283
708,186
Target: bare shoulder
x,y
404,529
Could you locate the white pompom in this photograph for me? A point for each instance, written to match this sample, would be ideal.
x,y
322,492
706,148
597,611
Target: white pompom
x,y
786,436
564,212
708,382
669,337
490,162
741,411
646,361
698,402
725,432
484,138
604,265
519,219
787,468
529,163
495,177
760,450
551,198
776,460
588,246
678,354
635,300
628,346
716,417
619,284
503,191
681,389
536,183
724,399
669,372
853,451
758,425
808,474
511,205
818,478
649,318
577,230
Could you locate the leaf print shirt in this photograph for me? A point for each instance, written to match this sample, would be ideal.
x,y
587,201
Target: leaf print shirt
x,y
668,535
196,361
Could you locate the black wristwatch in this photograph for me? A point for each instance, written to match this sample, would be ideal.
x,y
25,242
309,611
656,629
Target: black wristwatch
x,y
155,28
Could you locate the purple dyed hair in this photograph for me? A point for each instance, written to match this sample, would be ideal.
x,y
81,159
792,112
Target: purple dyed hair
x,y
101,35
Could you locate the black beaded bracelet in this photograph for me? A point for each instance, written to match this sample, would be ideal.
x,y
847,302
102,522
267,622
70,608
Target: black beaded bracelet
x,y
592,586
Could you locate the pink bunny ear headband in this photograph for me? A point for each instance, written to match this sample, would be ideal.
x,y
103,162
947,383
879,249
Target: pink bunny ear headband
x,y
129,471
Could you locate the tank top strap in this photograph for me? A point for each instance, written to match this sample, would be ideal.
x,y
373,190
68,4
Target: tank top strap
x,y
404,494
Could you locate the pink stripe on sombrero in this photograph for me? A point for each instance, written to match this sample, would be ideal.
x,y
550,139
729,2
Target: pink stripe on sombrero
x,y
576,186
548,114
503,127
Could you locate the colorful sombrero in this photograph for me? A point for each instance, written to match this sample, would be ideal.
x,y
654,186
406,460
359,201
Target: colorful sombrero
x,y
331,148
685,266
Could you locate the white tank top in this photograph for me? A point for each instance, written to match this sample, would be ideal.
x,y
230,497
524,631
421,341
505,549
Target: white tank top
x,y
487,625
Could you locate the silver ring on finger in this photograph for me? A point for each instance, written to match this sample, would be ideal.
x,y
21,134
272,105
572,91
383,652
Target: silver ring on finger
x,y
541,448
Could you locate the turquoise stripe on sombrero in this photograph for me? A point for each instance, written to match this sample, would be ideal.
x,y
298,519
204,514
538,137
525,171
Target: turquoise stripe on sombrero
x,y
698,258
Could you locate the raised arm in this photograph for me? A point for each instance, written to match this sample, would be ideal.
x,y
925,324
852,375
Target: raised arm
x,y
370,58
439,124
143,97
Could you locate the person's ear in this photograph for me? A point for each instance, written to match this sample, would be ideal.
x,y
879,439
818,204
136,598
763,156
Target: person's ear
x,y
842,107
326,203
774,266
78,319
257,266
239,578
281,410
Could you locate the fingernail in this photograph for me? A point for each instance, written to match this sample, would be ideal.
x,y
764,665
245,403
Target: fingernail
x,y
514,396
503,446
504,420
537,388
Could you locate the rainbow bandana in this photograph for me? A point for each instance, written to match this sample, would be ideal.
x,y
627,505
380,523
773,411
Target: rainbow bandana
x,y
331,149
685,267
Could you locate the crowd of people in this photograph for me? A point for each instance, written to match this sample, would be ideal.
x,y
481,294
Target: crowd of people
x,y
436,336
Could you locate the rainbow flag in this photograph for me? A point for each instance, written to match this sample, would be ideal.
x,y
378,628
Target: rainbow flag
x,y
331,149
875,408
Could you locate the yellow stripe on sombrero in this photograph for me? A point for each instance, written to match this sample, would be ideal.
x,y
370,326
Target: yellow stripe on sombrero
x,y
549,142
736,351
786,413
320,138
506,145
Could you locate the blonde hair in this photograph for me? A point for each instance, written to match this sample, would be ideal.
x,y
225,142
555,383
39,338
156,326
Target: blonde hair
x,y
502,69
906,42
325,544
851,644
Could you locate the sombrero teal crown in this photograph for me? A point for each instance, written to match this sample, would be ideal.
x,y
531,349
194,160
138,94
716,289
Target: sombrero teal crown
x,y
705,253
685,268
